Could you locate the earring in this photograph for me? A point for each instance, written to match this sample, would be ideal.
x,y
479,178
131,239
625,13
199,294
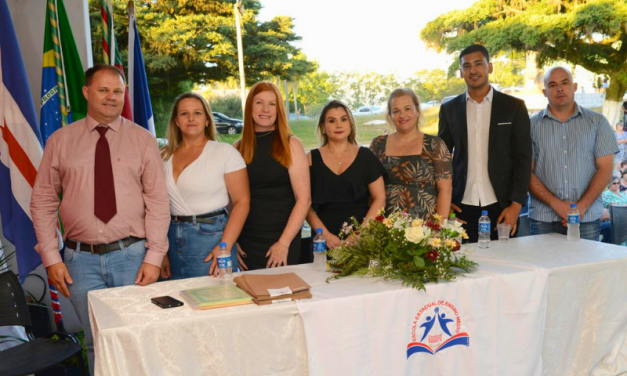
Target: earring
x,y
324,131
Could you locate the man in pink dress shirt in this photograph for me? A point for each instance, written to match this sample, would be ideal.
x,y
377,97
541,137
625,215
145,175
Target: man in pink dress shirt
x,y
126,244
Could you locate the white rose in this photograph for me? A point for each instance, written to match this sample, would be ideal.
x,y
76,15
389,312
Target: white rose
x,y
417,234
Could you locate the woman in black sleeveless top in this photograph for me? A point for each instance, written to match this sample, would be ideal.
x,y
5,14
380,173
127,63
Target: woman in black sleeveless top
x,y
279,182
346,180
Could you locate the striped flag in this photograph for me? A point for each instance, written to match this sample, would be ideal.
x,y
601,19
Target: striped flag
x,y
110,47
138,83
20,148
63,77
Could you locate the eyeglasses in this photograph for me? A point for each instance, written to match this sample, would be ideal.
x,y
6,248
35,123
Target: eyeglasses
x,y
617,183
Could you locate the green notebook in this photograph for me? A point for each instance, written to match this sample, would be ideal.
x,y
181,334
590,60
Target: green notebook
x,y
216,297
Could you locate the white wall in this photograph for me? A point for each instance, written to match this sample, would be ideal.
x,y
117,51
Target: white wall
x,y
29,22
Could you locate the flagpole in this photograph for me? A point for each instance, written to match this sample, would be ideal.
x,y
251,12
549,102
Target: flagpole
x,y
237,9
54,294
131,54
111,37
65,88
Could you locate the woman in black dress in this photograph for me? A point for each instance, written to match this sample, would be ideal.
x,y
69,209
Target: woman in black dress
x,y
279,182
344,176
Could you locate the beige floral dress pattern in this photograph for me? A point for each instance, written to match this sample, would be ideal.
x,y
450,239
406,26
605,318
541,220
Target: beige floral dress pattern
x,y
410,183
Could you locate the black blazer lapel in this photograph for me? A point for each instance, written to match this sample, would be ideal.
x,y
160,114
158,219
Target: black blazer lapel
x,y
463,123
494,116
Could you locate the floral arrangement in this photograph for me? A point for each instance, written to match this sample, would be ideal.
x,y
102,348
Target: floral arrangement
x,y
402,247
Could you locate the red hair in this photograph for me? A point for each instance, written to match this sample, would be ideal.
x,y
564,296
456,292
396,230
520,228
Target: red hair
x,y
281,144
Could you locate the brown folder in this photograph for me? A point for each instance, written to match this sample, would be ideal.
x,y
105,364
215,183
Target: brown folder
x,y
257,286
280,299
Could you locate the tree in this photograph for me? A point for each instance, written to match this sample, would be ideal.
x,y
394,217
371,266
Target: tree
x,y
298,66
589,33
508,69
316,89
194,41
435,85
370,88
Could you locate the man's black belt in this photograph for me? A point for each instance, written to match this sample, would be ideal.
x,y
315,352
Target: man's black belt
x,y
99,249
203,218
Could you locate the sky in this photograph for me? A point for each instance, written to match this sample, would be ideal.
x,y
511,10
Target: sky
x,y
380,36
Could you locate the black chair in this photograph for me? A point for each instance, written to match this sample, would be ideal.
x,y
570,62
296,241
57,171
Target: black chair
x,y
618,217
38,354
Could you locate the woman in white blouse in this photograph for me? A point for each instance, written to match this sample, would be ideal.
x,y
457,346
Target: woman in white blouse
x,y
202,177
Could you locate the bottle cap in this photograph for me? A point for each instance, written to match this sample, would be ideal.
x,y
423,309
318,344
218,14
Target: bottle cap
x,y
573,206
222,244
484,212
452,215
318,231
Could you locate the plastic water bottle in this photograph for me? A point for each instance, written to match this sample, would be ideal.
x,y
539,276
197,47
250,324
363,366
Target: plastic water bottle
x,y
573,223
484,230
224,263
320,251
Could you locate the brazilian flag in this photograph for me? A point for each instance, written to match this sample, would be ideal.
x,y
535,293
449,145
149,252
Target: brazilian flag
x,y
63,77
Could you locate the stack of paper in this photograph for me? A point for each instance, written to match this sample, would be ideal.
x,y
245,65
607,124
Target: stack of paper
x,y
216,297
268,289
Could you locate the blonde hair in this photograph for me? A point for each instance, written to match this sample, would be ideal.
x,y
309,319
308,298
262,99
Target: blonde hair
x,y
331,106
399,93
173,133
281,151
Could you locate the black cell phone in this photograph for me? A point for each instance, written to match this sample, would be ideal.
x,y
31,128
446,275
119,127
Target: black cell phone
x,y
166,302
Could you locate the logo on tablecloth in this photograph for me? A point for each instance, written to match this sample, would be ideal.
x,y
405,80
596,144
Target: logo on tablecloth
x,y
436,326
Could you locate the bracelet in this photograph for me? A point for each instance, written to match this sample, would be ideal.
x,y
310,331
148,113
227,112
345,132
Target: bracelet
x,y
286,246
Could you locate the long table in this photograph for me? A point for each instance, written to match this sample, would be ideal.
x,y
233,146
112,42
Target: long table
x,y
536,306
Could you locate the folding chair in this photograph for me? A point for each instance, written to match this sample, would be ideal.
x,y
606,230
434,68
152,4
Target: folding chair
x,y
618,217
37,354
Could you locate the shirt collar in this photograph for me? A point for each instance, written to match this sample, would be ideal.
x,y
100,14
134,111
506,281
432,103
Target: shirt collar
x,y
114,125
547,113
488,97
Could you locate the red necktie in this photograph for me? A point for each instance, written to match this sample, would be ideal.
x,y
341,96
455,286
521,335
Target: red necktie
x,y
104,190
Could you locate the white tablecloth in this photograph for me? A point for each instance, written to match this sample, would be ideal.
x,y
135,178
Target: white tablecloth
x,y
537,305
132,336
364,326
586,318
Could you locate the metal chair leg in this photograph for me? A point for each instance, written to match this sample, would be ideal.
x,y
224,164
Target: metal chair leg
x,y
81,363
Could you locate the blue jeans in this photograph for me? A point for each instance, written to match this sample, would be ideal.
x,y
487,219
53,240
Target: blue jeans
x,y
191,243
587,230
94,272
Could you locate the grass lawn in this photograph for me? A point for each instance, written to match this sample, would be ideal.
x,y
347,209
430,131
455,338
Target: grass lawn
x,y
305,129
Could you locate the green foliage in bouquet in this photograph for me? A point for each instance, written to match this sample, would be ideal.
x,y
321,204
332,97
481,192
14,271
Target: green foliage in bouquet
x,y
401,247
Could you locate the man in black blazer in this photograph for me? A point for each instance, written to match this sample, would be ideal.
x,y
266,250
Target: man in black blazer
x,y
488,133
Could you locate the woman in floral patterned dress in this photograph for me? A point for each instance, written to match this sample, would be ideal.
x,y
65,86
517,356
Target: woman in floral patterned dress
x,y
419,177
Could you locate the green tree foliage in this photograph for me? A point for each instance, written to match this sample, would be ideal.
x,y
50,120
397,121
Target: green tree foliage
x,y
589,33
229,105
435,85
507,73
315,89
194,41
298,66
361,89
